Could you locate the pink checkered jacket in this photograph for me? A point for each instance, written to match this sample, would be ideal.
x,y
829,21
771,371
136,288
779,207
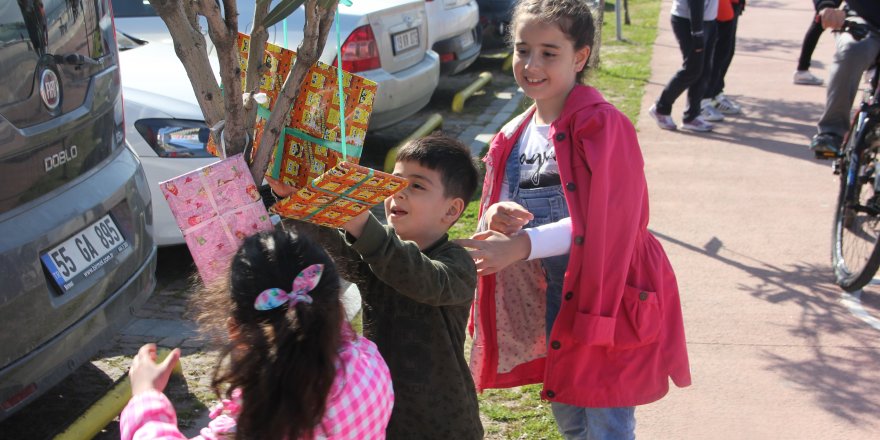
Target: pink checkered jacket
x,y
358,408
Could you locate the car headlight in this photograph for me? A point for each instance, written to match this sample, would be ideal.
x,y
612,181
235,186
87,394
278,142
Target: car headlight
x,y
175,137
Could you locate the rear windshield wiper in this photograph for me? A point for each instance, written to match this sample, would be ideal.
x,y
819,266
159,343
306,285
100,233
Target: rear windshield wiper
x,y
76,59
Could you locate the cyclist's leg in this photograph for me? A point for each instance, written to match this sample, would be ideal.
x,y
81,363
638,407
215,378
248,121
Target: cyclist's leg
x,y
851,60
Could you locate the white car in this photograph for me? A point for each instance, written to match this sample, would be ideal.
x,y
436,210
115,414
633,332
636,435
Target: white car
x,y
384,41
453,33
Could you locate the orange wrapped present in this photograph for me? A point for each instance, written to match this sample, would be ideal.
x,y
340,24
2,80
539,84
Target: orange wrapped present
x,y
340,194
311,142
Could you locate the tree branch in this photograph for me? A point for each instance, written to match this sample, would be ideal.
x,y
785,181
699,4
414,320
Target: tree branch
x,y
191,49
318,21
256,67
223,28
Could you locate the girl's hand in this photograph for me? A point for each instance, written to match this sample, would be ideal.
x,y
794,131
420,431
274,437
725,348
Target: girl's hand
x,y
146,374
507,217
279,188
493,251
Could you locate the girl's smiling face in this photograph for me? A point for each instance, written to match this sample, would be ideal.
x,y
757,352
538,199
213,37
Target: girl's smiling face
x,y
546,64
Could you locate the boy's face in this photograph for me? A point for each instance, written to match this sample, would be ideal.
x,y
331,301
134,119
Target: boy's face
x,y
421,212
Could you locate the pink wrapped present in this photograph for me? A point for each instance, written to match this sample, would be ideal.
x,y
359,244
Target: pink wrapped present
x,y
216,207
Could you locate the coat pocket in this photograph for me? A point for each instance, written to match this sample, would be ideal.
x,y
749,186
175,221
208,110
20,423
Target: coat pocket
x,y
639,319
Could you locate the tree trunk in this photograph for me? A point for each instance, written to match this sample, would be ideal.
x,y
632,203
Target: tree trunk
x,y
598,7
239,115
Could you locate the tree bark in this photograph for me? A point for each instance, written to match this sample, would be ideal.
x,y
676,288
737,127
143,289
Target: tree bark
x,y
599,18
191,48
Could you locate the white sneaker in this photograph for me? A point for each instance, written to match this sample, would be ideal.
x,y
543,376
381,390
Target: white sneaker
x,y
805,78
663,121
709,112
726,105
697,124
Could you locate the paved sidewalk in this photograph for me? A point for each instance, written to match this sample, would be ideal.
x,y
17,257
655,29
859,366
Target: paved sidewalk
x,y
745,214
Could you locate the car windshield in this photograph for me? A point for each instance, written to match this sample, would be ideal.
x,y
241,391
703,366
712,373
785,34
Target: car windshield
x,y
133,8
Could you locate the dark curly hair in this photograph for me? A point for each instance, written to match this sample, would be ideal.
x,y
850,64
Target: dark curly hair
x,y
283,360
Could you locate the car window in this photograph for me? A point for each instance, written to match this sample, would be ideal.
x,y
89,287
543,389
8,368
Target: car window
x,y
16,55
132,8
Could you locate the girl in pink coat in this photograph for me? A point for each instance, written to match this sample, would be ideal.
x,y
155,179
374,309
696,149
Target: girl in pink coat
x,y
291,366
564,217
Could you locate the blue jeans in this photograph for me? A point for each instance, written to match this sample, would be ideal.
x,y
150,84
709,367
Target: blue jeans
x,y
548,205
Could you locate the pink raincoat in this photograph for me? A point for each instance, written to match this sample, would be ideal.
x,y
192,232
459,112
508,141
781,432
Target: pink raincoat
x,y
619,335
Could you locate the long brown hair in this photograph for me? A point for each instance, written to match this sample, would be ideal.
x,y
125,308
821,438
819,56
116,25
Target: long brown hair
x,y
283,360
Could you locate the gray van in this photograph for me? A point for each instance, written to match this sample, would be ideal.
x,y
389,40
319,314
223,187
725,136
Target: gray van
x,y
77,256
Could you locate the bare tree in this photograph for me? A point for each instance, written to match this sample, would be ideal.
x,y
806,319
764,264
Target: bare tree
x,y
232,118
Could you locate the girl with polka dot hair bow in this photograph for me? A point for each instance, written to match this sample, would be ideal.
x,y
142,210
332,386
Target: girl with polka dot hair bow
x,y
290,366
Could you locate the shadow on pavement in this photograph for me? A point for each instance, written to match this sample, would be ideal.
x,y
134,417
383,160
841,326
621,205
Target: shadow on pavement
x,y
835,373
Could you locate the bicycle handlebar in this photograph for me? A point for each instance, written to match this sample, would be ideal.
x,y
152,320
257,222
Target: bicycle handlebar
x,y
858,30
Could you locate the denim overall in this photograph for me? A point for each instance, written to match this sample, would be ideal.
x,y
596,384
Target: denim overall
x,y
547,205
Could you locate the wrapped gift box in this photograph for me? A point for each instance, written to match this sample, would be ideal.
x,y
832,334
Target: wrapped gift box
x,y
310,143
216,207
340,194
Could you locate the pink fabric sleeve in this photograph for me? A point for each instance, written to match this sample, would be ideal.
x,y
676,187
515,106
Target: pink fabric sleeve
x,y
149,415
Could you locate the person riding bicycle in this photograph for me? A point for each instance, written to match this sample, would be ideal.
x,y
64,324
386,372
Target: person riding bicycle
x,y
851,60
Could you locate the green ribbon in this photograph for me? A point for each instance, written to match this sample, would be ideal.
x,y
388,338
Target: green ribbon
x,y
339,84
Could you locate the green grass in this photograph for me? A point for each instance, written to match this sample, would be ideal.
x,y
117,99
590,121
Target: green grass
x,y
623,72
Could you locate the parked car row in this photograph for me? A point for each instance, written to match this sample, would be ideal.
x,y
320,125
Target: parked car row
x,y
403,45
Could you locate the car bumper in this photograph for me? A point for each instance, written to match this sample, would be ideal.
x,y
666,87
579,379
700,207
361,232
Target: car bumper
x,y
464,56
53,361
405,92
159,169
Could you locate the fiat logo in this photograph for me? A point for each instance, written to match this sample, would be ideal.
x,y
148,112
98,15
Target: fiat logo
x,y
49,89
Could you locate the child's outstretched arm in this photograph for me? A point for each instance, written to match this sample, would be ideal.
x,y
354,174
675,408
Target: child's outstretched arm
x,y
449,278
149,414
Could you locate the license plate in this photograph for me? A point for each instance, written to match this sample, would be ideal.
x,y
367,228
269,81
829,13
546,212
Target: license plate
x,y
83,255
406,40
467,39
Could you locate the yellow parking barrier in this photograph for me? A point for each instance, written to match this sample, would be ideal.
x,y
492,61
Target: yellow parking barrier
x,y
467,92
102,412
507,65
432,123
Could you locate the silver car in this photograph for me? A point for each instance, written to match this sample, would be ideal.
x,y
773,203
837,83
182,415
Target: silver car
x,y
77,256
385,41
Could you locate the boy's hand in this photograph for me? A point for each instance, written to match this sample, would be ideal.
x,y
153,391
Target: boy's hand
x,y
507,217
493,251
279,188
146,374
355,226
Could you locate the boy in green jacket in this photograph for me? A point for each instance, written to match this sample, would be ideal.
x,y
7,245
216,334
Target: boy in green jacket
x,y
417,288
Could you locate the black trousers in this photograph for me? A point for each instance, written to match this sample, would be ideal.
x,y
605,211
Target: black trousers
x,y
725,46
694,73
811,39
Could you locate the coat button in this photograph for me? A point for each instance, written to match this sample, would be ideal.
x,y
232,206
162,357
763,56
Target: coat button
x,y
560,137
643,296
551,394
555,345
568,295
570,186
579,239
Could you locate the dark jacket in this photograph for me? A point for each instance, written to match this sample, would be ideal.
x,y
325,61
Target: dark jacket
x,y
416,306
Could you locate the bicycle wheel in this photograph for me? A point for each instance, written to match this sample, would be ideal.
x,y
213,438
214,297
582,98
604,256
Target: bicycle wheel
x,y
855,253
